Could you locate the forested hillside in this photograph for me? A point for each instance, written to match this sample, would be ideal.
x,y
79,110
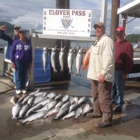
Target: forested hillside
x,y
133,38
9,26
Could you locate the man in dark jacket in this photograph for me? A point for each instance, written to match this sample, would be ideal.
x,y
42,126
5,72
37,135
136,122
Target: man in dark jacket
x,y
123,65
10,38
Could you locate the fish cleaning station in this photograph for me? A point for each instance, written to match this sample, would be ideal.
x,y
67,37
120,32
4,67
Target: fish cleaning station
x,y
59,94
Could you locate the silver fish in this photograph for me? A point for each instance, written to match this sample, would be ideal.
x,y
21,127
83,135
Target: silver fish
x,y
58,97
33,117
78,112
39,93
37,98
73,107
35,92
61,113
33,109
22,98
71,99
15,110
75,99
42,109
79,60
13,100
51,95
24,110
26,99
70,60
58,105
40,100
52,112
90,100
87,109
71,114
48,106
67,104
53,59
44,94
61,58
82,100
90,109
31,100
44,58
46,101
65,98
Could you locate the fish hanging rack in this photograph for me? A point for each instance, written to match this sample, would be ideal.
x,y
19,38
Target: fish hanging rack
x,y
74,38
34,36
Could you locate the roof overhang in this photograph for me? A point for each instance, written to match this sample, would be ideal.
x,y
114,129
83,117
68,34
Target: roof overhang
x,y
131,9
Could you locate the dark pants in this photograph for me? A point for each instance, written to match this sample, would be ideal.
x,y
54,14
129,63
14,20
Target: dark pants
x,y
20,74
101,93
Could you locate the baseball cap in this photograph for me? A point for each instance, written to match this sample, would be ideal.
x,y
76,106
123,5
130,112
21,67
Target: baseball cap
x,y
17,26
120,30
21,31
100,24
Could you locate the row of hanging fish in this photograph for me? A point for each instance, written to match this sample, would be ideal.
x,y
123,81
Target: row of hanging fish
x,y
37,105
70,59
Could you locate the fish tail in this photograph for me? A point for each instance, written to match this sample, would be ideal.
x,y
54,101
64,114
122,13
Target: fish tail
x,y
26,116
20,117
71,72
14,118
63,118
78,74
62,70
45,116
56,119
44,71
55,71
22,122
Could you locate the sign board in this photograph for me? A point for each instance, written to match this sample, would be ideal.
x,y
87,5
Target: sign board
x,y
67,22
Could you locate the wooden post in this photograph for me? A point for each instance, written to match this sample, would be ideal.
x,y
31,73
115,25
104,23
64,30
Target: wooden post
x,y
63,4
114,18
123,23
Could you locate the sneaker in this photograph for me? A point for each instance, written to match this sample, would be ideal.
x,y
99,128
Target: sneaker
x,y
102,125
117,109
91,115
23,91
18,91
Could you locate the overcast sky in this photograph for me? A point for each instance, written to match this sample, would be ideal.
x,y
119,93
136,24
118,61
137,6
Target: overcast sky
x,y
29,13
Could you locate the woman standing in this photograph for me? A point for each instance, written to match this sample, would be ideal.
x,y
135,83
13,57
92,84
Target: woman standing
x,y
21,60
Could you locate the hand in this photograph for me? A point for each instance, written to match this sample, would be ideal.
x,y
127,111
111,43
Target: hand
x,y
2,27
88,78
12,65
124,76
101,78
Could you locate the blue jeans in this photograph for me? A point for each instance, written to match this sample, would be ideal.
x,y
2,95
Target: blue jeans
x,y
117,93
20,74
